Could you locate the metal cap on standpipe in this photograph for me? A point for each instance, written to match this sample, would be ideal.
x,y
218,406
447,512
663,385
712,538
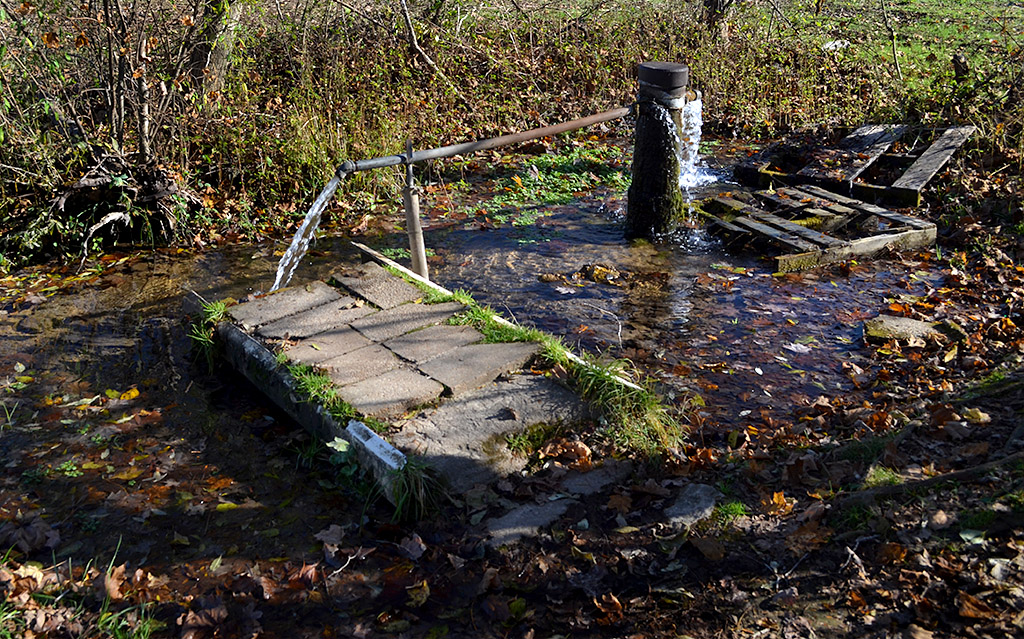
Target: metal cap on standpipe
x,y
670,78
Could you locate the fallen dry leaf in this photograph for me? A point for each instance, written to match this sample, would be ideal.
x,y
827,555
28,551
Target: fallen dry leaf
x,y
620,503
610,605
776,504
574,454
974,608
808,537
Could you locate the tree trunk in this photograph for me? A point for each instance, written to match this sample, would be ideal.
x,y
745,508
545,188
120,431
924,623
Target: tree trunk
x,y
212,52
715,14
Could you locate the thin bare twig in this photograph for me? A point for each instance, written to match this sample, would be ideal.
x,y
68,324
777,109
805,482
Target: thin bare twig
x,y
776,10
892,34
415,46
967,474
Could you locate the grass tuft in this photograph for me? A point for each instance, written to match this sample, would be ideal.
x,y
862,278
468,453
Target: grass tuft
x,y
638,421
881,476
417,490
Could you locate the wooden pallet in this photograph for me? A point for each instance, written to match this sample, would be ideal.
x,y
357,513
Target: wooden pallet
x,y
808,226
862,165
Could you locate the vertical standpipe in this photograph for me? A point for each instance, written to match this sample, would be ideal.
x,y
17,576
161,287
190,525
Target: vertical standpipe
x,y
412,218
655,199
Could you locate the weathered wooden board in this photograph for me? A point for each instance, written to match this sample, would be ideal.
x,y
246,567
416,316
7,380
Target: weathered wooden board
x,y
861,165
911,183
808,199
787,241
911,238
791,236
820,239
872,209
855,153
784,198
726,226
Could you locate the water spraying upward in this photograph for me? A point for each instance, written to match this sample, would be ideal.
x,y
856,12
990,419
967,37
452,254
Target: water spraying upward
x,y
691,174
297,249
687,143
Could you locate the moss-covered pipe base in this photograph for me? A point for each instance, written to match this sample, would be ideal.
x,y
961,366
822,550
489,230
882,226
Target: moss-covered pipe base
x,y
655,199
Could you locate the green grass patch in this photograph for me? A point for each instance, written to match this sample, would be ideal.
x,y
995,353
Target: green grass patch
x,y
854,517
728,512
1015,500
402,253
201,330
12,621
553,179
417,490
495,331
881,476
318,387
637,420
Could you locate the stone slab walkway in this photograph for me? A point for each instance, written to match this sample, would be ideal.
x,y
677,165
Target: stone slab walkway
x,y
387,353
384,349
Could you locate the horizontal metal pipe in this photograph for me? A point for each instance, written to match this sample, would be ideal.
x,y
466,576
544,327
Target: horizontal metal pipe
x,y
351,166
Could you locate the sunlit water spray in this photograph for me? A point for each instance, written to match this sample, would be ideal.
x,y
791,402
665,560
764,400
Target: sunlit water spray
x,y
300,243
692,172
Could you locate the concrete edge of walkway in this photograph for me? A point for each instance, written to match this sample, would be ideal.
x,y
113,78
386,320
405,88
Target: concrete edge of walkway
x,y
254,361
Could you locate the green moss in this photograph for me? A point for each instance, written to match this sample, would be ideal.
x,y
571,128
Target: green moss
x,y
530,440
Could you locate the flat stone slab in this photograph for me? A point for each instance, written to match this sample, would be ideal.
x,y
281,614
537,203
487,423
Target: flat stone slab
x,y
426,344
371,282
525,521
328,345
612,471
316,320
392,393
694,502
472,366
283,303
887,327
360,364
464,438
400,320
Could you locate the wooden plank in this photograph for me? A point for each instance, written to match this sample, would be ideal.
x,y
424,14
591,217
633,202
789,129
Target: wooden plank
x,y
855,153
726,226
872,209
871,137
817,191
793,228
784,199
788,241
912,238
933,159
724,202
816,201
829,221
868,192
